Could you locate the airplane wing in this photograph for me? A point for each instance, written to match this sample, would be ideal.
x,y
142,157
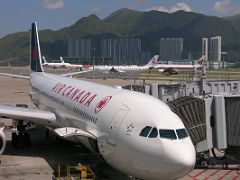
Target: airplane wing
x,y
14,76
69,131
75,73
27,77
33,115
41,117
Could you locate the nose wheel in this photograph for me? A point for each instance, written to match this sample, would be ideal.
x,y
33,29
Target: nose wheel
x,y
21,137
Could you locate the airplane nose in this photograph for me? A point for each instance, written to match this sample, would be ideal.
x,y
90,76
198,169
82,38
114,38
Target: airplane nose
x,y
187,162
187,157
184,161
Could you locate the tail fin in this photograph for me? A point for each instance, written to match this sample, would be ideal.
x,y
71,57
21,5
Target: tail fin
x,y
36,59
61,59
200,60
153,61
44,59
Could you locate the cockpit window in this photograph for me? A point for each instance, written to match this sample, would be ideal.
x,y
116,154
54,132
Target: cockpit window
x,y
154,133
182,133
167,133
145,131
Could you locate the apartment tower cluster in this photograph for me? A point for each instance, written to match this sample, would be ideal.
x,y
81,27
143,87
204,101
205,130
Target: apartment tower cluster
x,y
211,48
116,51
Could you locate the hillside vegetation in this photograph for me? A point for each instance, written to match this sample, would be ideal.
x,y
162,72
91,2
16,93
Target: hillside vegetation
x,y
126,23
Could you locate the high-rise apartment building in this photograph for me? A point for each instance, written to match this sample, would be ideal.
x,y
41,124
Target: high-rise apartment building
x,y
79,48
121,51
215,48
171,49
205,48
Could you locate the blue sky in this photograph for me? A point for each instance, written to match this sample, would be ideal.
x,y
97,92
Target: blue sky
x,y
16,15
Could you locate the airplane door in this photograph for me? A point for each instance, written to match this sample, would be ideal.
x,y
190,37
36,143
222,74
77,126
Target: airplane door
x,y
114,126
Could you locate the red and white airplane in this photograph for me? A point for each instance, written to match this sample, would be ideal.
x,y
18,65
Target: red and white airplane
x,y
122,69
135,133
62,64
180,67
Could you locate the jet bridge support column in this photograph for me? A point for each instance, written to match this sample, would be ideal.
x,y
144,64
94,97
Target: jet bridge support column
x,y
155,90
219,130
147,89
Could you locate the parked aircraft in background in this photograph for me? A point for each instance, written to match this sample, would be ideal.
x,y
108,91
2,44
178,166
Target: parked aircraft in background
x,y
50,64
123,69
135,133
62,64
179,67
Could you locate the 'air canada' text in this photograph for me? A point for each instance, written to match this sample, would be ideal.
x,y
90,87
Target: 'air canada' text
x,y
75,94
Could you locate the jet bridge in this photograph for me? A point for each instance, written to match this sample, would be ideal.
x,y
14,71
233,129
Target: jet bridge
x,y
192,112
213,122
232,105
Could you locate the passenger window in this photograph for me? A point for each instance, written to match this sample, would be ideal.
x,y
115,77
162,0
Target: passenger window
x,y
145,131
167,133
154,133
182,133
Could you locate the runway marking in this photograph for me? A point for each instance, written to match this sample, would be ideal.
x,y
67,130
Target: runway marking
x,y
236,177
219,174
198,174
226,174
211,175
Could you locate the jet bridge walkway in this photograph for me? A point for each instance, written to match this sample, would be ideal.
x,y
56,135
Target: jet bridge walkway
x,y
232,105
213,122
192,112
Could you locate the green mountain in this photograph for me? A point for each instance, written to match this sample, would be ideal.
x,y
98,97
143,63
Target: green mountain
x,y
126,23
235,20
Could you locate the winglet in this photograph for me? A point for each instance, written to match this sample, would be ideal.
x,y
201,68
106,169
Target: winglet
x,y
61,59
35,58
44,60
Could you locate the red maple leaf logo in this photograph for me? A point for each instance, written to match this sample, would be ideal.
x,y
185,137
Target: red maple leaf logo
x,y
102,103
34,54
154,61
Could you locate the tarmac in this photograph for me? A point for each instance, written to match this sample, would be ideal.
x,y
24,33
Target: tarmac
x,y
42,159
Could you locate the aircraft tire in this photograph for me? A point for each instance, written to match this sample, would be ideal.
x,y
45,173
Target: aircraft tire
x,y
27,139
14,139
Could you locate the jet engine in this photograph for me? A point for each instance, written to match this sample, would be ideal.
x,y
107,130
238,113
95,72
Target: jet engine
x,y
2,141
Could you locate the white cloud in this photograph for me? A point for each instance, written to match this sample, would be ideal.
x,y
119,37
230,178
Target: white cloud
x,y
222,6
96,9
179,6
226,7
52,4
158,8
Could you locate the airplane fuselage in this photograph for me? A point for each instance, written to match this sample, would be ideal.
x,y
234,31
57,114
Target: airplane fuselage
x,y
115,118
120,68
177,67
63,65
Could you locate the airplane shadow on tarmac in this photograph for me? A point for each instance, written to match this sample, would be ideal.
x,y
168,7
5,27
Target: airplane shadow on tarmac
x,y
55,151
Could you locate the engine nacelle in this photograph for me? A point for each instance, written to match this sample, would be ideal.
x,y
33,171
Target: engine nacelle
x,y
2,140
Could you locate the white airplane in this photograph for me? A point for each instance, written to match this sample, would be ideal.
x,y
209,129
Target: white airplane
x,y
122,69
135,133
180,67
62,64
53,65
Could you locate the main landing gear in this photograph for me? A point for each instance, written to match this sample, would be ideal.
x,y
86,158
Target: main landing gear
x,y
21,137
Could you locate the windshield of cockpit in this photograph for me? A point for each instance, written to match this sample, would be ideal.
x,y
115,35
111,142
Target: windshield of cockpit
x,y
172,134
